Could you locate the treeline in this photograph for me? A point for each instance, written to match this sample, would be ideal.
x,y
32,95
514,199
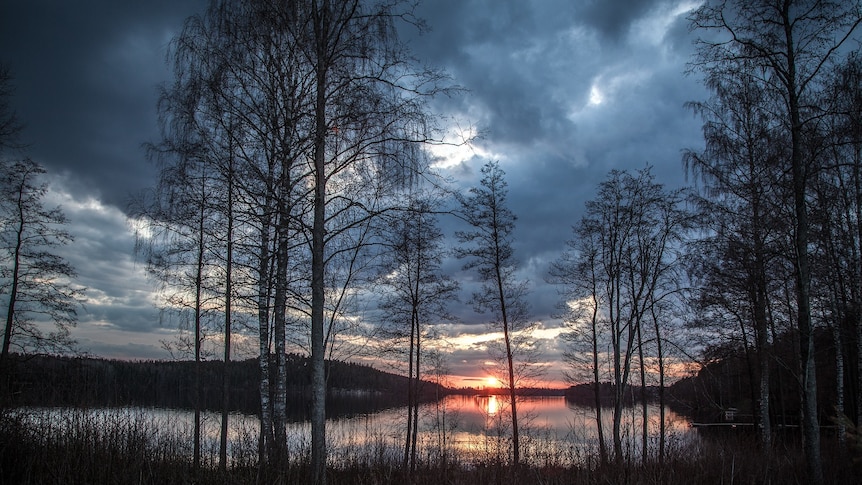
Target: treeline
x,y
80,381
729,380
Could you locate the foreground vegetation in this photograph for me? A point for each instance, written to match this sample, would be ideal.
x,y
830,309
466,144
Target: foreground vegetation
x,y
124,448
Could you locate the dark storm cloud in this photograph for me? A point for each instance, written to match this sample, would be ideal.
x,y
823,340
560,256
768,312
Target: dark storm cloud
x,y
86,74
119,294
560,91
525,65
613,18
507,55
563,94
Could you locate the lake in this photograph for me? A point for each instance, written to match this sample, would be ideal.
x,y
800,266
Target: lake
x,y
472,429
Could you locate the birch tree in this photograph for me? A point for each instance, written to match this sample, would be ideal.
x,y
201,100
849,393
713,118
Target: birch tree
x,y
369,101
787,45
740,170
324,99
583,309
38,283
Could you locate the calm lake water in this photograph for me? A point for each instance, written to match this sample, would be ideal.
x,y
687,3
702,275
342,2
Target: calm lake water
x,y
468,429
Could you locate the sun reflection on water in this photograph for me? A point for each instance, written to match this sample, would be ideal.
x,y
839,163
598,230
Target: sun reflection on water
x,y
471,428
489,405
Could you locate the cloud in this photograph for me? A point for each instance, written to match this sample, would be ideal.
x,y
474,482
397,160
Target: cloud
x,y
86,75
119,296
559,92
612,19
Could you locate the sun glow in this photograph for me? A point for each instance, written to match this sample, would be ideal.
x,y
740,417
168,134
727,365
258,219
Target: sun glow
x,y
491,381
596,96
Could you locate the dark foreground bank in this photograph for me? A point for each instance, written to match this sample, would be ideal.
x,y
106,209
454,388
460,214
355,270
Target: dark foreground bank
x,y
127,451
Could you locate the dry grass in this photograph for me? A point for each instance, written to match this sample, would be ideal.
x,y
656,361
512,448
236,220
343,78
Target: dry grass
x,y
125,448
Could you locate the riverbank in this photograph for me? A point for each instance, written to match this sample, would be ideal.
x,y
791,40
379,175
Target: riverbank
x,y
127,449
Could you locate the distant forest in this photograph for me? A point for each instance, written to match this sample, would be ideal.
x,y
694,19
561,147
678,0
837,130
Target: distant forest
x,y
726,380
82,381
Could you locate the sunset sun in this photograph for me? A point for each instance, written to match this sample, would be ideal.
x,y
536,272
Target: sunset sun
x,y
491,381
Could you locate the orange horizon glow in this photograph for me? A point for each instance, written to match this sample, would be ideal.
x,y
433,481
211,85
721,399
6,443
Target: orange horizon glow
x,y
485,381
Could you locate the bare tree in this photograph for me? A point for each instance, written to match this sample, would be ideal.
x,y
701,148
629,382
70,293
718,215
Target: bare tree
x,y
742,196
38,283
787,46
842,207
488,246
368,102
622,265
175,245
321,99
416,294
578,273
836,230
238,88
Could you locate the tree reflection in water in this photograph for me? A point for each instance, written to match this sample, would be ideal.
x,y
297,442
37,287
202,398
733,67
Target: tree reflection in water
x,y
466,429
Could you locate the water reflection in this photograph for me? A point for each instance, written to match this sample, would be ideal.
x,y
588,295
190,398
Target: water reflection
x,y
466,428
490,405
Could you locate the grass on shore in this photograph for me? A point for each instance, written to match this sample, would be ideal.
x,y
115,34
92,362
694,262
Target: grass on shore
x,y
127,449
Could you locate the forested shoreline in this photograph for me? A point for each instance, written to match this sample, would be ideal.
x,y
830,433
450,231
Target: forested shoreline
x,y
725,381
89,382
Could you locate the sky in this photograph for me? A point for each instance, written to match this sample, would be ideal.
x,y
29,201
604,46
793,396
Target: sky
x,y
559,91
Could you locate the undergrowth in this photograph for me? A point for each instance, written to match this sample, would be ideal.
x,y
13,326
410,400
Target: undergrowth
x,y
127,449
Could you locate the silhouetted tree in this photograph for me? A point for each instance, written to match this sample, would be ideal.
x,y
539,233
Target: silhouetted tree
x,y
786,46
368,103
416,294
488,247
578,272
623,266
37,282
734,264
322,100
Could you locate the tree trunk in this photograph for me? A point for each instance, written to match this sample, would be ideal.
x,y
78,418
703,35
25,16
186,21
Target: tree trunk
x,y
661,394
196,462
761,328
318,235
227,323
839,381
410,391
279,405
516,444
810,423
597,386
13,292
857,304
415,403
619,396
644,411
617,342
264,279
763,367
